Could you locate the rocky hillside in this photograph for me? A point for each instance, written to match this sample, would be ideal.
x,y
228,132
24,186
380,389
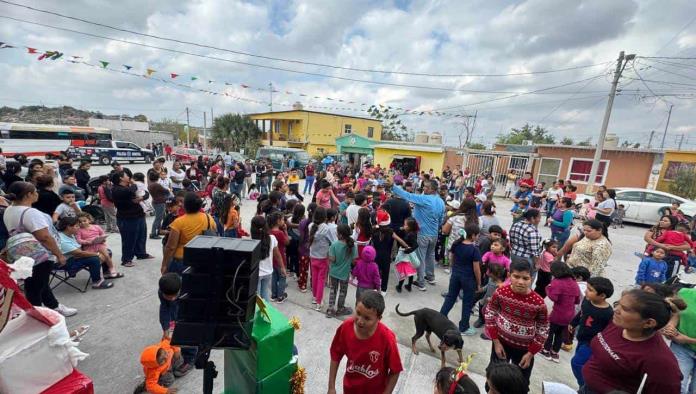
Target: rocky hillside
x,y
57,115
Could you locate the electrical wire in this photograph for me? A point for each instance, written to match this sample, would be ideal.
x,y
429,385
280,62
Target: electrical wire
x,y
564,101
686,26
237,52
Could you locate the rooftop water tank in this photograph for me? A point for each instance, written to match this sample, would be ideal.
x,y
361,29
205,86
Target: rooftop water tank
x,y
611,141
297,106
421,138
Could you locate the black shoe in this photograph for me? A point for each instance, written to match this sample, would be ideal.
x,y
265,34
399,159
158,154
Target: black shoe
x,y
398,289
408,288
155,237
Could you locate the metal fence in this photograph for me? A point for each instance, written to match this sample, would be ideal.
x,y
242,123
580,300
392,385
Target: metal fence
x,y
498,165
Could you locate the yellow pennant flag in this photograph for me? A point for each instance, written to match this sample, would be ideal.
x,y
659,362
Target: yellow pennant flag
x,y
150,72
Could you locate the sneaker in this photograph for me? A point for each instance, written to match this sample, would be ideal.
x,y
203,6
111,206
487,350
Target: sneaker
x,y
545,354
345,311
146,257
469,332
567,347
314,302
65,310
274,299
419,287
555,358
431,281
282,298
318,308
183,370
330,313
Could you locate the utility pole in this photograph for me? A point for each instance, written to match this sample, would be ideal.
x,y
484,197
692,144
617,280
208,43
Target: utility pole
x,y
188,129
270,90
205,134
669,115
681,141
620,66
652,134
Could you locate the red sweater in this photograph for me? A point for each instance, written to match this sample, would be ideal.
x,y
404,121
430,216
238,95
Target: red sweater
x,y
517,320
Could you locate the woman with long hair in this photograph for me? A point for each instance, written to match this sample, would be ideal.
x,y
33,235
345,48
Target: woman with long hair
x,y
466,214
303,248
593,250
269,251
363,229
488,218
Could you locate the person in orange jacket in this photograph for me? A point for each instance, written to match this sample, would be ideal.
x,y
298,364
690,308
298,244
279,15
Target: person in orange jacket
x,y
159,362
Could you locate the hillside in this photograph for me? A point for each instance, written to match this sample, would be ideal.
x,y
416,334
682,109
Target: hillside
x,y
57,115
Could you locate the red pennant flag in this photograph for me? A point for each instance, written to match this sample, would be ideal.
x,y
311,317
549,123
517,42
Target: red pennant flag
x,y
174,75
31,50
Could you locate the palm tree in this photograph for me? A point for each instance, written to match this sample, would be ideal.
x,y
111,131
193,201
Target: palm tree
x,y
233,132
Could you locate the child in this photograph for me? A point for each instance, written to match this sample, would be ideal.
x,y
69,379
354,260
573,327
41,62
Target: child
x,y
93,239
383,242
160,363
677,237
303,248
581,275
366,272
350,198
293,224
449,381
253,192
517,320
269,253
164,179
169,286
587,211
139,181
320,240
373,364
619,216
68,208
341,255
466,276
495,255
172,206
496,277
505,378
595,315
565,294
276,223
519,211
544,266
230,216
406,260
653,268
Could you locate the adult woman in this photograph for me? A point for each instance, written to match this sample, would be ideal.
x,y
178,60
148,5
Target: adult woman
x,y
177,175
159,196
681,329
182,230
363,229
605,208
593,250
21,217
77,258
82,175
488,217
48,199
630,352
325,196
237,182
561,221
130,219
553,196
466,214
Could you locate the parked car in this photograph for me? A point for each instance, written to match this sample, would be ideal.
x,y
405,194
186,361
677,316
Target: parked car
x,y
187,155
275,155
105,151
646,205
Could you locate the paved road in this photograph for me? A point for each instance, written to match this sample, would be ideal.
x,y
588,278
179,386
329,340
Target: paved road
x,y
124,321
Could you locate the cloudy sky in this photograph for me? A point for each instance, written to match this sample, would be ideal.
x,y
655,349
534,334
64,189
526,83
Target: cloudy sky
x,y
402,37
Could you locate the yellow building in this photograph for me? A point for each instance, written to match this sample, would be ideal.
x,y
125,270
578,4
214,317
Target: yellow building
x,y
408,156
673,162
315,132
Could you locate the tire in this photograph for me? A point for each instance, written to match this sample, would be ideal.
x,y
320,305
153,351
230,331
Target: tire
x,y
104,160
148,159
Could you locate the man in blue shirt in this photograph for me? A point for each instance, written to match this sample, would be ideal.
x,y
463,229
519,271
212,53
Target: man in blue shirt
x,y
429,212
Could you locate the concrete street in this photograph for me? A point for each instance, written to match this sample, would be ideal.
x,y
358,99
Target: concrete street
x,y
124,320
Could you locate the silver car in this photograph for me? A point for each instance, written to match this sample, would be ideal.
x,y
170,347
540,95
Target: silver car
x,y
646,205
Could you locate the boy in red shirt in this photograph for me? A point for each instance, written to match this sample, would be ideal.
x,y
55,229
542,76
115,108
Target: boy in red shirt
x,y
517,320
373,361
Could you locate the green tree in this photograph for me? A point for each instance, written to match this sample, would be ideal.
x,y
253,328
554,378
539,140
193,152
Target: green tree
x,y
684,184
476,145
233,132
567,141
536,134
392,127
585,142
629,144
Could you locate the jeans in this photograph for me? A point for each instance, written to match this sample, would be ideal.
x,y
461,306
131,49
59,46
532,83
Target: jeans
x,y
673,263
176,266
550,205
157,223
133,237
236,188
264,287
460,282
561,237
686,357
168,312
93,264
230,233
582,354
309,181
36,287
340,287
263,185
426,254
278,284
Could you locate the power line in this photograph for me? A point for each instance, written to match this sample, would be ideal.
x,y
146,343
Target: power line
x,y
255,64
565,101
675,36
237,52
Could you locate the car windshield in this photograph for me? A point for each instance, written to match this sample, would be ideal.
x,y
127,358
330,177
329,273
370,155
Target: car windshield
x,y
303,156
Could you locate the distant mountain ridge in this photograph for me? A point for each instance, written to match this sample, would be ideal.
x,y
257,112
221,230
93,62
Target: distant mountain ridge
x,y
57,115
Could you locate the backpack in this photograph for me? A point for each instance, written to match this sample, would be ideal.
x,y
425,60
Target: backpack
x,y
23,243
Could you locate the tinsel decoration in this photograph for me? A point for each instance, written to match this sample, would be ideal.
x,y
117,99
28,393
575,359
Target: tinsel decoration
x,y
295,323
297,381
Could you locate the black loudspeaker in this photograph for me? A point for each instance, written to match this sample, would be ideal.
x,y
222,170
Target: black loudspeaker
x,y
218,293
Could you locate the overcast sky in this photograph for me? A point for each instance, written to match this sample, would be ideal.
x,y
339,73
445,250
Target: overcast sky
x,y
439,37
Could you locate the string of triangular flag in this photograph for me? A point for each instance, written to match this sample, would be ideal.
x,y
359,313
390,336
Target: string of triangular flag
x,y
150,72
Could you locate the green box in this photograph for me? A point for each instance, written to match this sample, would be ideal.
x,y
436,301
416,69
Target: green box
x,y
276,383
279,381
270,353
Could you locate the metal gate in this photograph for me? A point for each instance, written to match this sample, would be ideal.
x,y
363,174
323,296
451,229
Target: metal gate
x,y
497,165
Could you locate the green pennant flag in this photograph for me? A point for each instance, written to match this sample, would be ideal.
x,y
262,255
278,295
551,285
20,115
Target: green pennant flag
x,y
103,63
194,78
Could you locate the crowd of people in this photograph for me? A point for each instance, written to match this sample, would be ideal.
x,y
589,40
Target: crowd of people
x,y
359,227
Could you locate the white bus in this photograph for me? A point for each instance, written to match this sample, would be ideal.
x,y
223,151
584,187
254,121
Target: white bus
x,y
46,140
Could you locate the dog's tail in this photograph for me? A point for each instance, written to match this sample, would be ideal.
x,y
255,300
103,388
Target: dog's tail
x,y
403,314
